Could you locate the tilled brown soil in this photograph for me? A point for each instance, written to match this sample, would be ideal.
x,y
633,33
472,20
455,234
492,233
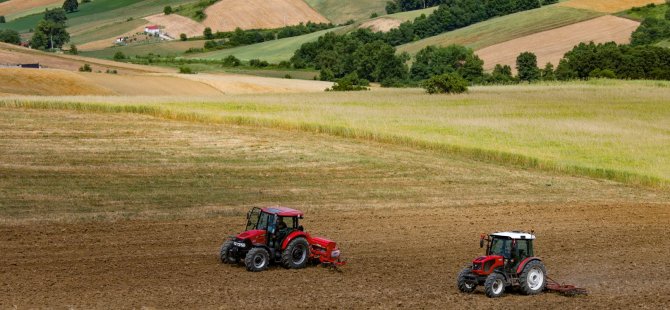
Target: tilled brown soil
x,y
396,258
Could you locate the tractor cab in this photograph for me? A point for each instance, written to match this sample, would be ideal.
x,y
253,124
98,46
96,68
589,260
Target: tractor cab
x,y
509,261
272,223
512,246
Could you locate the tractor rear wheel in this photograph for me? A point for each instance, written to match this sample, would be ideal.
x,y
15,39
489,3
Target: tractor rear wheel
x,y
533,278
296,254
465,283
494,286
257,259
225,249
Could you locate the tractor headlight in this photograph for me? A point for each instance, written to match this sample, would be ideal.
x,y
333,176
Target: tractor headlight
x,y
239,244
335,253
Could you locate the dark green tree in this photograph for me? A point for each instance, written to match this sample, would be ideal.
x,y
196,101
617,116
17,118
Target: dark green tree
x,y
502,75
56,15
71,6
448,83
183,37
564,71
49,35
119,56
434,60
167,10
208,33
10,36
526,65
73,50
2,19
548,72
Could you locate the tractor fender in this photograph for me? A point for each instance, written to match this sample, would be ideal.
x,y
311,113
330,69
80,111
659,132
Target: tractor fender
x,y
293,235
525,262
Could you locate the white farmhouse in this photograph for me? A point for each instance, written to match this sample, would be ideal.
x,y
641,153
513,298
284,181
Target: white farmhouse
x,y
152,30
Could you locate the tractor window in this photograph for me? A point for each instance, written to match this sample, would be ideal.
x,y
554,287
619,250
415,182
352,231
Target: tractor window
x,y
253,217
522,250
264,220
500,246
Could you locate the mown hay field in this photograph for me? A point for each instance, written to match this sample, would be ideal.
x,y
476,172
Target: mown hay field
x,y
607,129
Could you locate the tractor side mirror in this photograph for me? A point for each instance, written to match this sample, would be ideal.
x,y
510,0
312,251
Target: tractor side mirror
x,y
481,243
300,228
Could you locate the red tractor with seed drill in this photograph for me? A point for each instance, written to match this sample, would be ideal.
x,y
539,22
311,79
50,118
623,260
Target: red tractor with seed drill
x,y
509,262
274,235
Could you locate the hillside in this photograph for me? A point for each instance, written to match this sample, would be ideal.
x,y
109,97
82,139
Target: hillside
x,y
505,28
341,11
226,15
13,9
551,45
608,6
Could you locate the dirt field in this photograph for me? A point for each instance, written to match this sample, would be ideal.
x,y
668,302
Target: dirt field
x,y
551,45
176,24
11,54
16,6
128,211
246,84
382,24
227,15
47,83
608,6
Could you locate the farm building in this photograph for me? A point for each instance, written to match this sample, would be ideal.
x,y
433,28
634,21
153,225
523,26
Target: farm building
x,y
152,30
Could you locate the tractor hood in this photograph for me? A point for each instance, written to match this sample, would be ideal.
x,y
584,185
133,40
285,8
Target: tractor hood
x,y
255,236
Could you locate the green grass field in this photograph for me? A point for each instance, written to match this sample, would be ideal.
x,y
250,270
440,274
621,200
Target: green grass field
x,y
606,129
272,51
505,28
98,13
106,31
340,11
171,48
657,11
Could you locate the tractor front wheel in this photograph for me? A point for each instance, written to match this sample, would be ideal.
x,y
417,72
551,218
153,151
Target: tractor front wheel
x,y
296,254
257,259
465,283
532,279
494,286
225,251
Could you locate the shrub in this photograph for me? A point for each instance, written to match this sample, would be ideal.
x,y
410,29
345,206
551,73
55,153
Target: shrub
x,y
231,61
2,19
449,83
73,50
111,71
85,68
350,82
288,76
374,15
10,36
167,10
258,63
183,37
604,73
119,56
208,33
185,70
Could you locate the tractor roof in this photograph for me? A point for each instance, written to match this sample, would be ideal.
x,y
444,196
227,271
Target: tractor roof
x,y
513,235
282,211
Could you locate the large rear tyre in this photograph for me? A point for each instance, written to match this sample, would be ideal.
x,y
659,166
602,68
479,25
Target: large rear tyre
x,y
533,278
464,281
494,285
296,254
257,259
225,251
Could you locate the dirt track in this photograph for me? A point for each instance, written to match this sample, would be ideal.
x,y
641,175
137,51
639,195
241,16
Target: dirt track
x,y
397,258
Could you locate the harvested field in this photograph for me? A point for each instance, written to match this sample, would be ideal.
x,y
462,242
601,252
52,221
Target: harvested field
x,y
381,24
128,211
341,11
551,45
12,7
226,15
11,54
47,83
176,24
608,6
245,84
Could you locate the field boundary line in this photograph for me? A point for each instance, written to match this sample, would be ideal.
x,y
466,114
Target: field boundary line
x,y
499,157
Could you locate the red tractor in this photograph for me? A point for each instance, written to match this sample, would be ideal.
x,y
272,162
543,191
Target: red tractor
x,y
274,235
509,262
